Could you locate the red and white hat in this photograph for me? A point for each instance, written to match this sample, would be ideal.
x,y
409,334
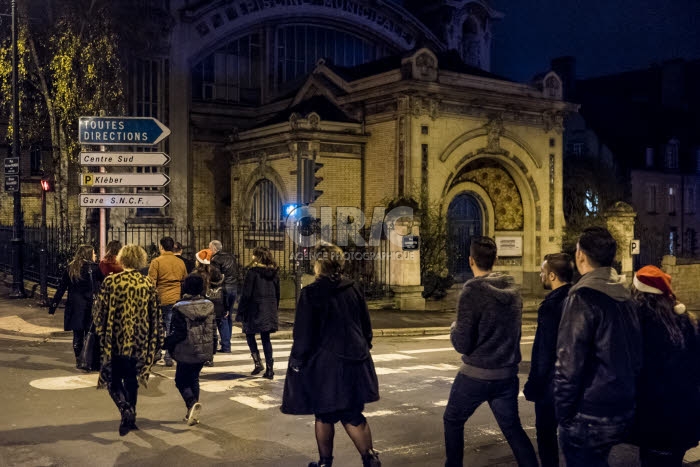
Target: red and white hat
x,y
653,280
204,256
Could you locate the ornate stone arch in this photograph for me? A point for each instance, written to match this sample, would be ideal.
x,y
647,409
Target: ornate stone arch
x,y
465,138
482,198
262,172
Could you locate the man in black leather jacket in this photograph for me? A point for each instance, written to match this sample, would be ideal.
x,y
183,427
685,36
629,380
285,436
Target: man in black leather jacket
x,y
598,356
228,266
556,273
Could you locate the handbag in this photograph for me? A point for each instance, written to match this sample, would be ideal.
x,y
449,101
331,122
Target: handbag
x,y
87,359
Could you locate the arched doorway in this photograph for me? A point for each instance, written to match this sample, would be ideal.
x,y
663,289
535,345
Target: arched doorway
x,y
464,219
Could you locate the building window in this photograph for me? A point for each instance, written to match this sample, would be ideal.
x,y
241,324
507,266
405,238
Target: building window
x,y
231,74
424,129
577,149
651,198
649,156
672,198
266,208
591,202
35,162
673,241
299,47
689,200
552,142
671,159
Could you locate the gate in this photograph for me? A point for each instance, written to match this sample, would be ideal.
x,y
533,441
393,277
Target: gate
x,y
463,223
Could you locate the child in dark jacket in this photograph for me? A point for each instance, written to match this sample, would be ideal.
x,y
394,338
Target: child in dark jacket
x,y
192,342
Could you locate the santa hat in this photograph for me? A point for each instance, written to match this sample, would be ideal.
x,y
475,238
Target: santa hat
x,y
203,256
653,280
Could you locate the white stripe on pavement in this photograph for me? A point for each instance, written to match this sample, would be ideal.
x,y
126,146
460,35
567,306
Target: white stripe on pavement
x,y
409,369
443,349
66,382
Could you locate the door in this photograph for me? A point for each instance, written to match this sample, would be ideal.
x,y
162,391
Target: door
x,y
463,223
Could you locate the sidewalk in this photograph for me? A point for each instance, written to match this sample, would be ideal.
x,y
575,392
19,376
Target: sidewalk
x,y
25,317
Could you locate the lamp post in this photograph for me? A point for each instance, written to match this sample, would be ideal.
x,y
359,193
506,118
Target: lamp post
x,y
46,185
18,224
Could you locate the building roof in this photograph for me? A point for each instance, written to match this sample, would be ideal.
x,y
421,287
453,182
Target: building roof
x,y
325,109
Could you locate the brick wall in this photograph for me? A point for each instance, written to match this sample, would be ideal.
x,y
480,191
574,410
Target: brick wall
x,y
380,168
686,276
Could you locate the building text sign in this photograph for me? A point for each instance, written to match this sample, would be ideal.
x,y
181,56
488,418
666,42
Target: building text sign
x,y
124,159
121,131
509,245
124,179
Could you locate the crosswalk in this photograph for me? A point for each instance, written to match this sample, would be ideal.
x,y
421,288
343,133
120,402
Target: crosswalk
x,y
231,372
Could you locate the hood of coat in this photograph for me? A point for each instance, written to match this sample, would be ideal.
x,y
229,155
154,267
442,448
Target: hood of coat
x,y
195,307
604,280
498,285
325,284
268,272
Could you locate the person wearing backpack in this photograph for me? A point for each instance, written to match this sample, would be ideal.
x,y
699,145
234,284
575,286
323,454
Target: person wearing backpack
x,y
192,342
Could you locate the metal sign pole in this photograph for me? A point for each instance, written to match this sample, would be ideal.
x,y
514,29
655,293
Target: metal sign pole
x,y
103,211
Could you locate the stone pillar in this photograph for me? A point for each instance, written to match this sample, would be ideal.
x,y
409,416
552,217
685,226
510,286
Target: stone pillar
x,y
404,277
619,220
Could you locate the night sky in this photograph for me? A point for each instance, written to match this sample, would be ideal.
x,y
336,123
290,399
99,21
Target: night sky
x,y
605,36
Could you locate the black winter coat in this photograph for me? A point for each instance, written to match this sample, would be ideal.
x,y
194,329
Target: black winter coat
x,y
598,356
260,299
668,400
540,382
228,266
78,312
192,336
332,340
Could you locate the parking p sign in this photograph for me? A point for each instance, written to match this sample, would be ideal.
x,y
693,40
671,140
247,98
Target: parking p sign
x,y
634,247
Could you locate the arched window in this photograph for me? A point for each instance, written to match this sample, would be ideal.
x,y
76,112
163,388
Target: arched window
x,y
266,207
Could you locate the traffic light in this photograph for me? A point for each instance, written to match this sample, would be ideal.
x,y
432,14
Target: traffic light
x,y
47,183
311,180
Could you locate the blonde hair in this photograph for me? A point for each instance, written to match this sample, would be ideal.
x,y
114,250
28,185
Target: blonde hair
x,y
330,260
132,257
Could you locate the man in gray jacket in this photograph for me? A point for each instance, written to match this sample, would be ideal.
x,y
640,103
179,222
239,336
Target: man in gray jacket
x,y
487,334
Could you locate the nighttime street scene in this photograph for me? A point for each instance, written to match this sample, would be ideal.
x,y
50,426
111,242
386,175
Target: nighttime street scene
x,y
317,233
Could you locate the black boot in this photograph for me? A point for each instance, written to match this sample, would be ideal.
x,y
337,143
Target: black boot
x,y
258,363
371,459
323,462
269,373
128,421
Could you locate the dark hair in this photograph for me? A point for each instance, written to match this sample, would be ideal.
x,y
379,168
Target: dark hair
x,y
113,248
167,243
662,308
215,276
177,247
483,251
561,265
264,256
193,284
82,256
599,245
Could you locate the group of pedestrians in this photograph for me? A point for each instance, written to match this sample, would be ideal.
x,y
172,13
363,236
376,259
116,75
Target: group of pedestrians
x,y
608,365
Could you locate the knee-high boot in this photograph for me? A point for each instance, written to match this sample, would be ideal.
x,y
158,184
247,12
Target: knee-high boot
x,y
269,372
258,363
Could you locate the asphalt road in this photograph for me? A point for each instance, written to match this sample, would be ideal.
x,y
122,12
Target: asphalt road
x,y
53,416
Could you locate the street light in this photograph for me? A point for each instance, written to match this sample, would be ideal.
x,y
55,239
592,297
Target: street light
x,y
18,224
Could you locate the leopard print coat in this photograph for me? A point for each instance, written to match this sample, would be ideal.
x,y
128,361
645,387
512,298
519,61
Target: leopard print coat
x,y
127,319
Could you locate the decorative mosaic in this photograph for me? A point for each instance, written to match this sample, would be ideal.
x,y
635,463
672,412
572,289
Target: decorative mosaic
x,y
507,203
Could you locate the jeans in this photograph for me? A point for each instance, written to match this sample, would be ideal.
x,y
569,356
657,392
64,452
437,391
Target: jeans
x,y
123,385
266,343
226,323
546,425
586,440
466,396
661,458
167,318
187,382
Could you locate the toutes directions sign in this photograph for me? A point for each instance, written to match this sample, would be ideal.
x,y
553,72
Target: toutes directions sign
x,y
121,131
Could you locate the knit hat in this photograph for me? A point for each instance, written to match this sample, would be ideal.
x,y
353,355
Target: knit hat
x,y
203,256
653,280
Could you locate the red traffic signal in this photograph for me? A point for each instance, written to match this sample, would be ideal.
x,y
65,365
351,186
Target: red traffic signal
x,y
46,184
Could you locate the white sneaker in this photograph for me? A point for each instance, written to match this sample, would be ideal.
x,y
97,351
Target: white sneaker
x,y
193,416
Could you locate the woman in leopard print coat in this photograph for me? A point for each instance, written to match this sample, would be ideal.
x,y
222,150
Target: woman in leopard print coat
x,y
128,323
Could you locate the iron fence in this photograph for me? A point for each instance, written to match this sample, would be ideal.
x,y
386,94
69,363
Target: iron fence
x,y
369,265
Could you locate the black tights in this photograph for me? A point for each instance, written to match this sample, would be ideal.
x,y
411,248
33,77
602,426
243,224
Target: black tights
x,y
123,385
78,340
267,345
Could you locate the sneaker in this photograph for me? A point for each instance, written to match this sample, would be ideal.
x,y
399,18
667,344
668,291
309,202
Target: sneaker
x,y
208,363
193,415
169,362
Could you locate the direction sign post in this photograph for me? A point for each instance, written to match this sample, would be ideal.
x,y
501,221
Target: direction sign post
x,y
123,179
124,159
122,200
121,131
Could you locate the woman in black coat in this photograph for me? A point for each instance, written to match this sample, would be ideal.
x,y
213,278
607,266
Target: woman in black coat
x,y
258,309
668,392
81,279
331,373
